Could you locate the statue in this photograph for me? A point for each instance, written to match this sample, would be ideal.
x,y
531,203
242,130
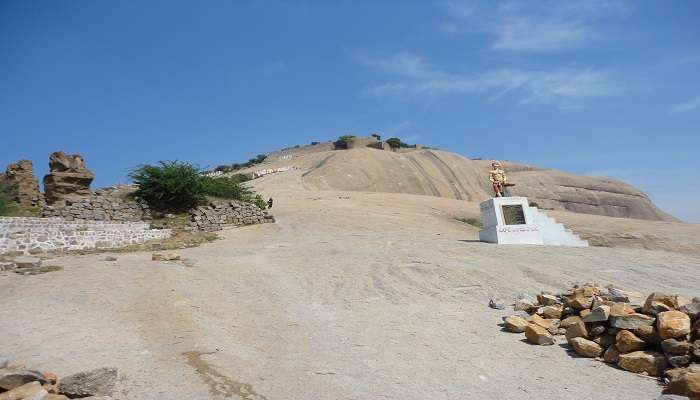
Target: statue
x,y
498,179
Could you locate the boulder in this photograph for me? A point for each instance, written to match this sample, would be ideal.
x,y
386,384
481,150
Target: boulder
x,y
28,391
537,320
513,323
12,378
585,347
685,382
611,355
596,330
27,262
524,302
696,349
22,185
623,296
648,333
497,304
165,257
598,314
692,309
651,362
675,347
627,341
547,299
660,302
605,340
97,382
672,324
576,330
620,309
568,321
679,361
538,335
631,321
552,312
68,178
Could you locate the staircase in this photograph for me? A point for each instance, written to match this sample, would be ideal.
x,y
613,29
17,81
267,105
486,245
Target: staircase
x,y
553,232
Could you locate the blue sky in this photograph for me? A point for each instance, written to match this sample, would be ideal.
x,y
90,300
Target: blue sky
x,y
597,87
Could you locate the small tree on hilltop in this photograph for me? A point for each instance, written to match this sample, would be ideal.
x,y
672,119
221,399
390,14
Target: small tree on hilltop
x,y
376,136
342,142
396,143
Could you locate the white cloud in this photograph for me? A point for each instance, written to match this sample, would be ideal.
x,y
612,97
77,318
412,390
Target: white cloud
x,y
416,77
542,26
690,105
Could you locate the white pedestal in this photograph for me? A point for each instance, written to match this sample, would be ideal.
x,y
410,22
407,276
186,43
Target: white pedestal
x,y
507,220
511,220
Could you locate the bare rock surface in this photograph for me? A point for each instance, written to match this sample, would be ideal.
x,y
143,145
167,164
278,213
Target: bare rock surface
x,y
348,295
68,178
444,174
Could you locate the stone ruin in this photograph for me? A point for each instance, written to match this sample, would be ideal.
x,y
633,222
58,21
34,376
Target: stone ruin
x,y
108,204
22,185
68,178
219,214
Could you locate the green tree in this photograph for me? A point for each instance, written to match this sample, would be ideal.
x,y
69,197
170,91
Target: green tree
x,y
396,143
342,142
172,186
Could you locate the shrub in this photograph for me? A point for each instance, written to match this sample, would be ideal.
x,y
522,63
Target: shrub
x,y
314,143
259,201
172,186
396,143
175,186
225,188
342,142
6,203
376,136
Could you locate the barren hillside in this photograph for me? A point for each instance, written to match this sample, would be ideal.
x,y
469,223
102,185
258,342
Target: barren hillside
x,y
443,174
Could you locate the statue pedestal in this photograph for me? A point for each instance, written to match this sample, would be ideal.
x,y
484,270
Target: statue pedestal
x,y
507,220
511,220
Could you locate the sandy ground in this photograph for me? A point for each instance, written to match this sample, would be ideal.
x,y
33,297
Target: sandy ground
x,y
348,296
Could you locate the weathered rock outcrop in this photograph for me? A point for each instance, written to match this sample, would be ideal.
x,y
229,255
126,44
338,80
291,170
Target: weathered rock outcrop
x,y
21,184
68,179
443,174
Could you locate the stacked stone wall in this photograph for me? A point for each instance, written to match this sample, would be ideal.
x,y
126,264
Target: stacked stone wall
x,y
24,235
100,208
222,214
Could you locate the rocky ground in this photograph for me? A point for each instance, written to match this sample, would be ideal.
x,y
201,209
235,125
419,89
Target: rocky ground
x,y
348,296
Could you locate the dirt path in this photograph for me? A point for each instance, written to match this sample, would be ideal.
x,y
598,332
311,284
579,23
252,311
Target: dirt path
x,y
347,296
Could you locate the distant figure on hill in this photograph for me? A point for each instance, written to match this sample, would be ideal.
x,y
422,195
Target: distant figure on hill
x,y
498,179
269,202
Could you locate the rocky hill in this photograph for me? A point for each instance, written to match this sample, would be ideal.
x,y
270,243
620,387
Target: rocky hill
x,y
443,174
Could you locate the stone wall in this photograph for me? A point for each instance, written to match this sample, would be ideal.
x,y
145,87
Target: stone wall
x,y
221,214
100,208
24,235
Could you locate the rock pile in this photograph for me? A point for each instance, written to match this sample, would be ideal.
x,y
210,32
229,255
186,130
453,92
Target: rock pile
x,y
658,337
22,185
67,179
19,383
219,214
